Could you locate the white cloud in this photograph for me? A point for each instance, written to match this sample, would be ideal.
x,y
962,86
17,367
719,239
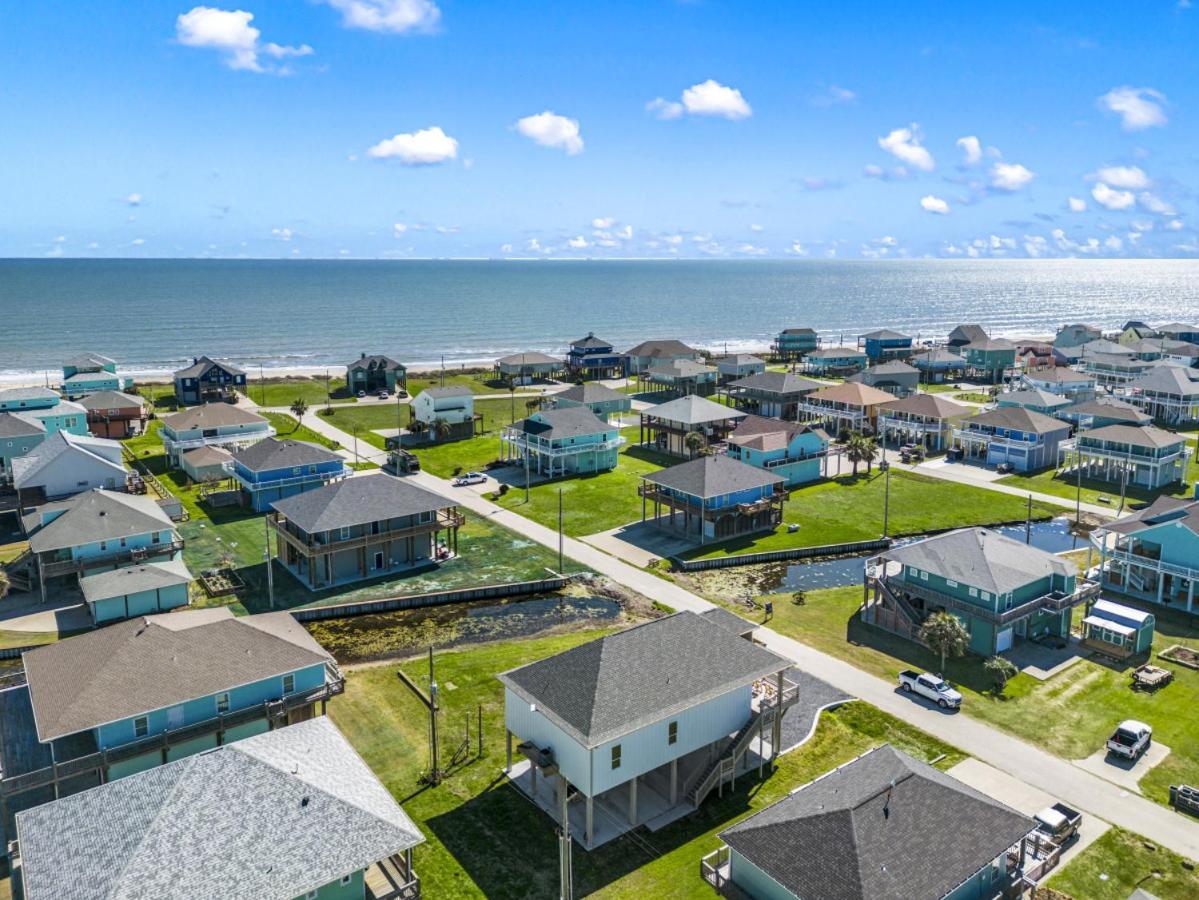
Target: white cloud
x,y
230,33
603,222
59,239
551,130
887,241
505,248
797,249
282,234
904,144
426,147
934,205
751,250
834,96
578,242
873,171
399,228
626,233
1138,108
972,151
134,199
1155,204
757,228
664,109
1174,225
1109,198
395,16
708,98
1077,204
137,242
1113,243
1010,176
1131,178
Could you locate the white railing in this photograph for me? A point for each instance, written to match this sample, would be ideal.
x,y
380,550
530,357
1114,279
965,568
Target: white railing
x,y
237,437
290,481
520,441
1148,562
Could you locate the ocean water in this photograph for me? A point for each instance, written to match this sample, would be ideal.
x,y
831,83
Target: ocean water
x,y
152,316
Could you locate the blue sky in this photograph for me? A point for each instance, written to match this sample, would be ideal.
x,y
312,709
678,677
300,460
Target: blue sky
x,y
443,128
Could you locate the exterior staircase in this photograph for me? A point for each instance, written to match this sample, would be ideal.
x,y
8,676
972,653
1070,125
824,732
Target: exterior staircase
x,y
19,571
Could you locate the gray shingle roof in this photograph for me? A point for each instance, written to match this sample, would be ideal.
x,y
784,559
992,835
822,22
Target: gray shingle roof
x,y
741,359
884,334
272,816
729,621
968,334
712,476
680,368
133,579
12,425
834,353
661,349
209,455
89,360
1167,380
83,448
693,410
111,400
153,662
566,422
358,501
616,684
1110,408
589,392
271,453
203,364
986,343
1020,419
1161,510
1034,397
212,415
1148,436
852,834
531,358
1059,375
982,558
799,331
84,377
26,393
591,342
445,393
100,515
777,383
377,360
939,355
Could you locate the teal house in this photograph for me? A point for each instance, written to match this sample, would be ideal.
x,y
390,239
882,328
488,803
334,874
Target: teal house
x,y
558,442
271,469
23,398
939,365
795,343
89,373
19,434
142,589
293,813
1139,456
795,452
988,359
713,498
1117,630
1002,590
1107,411
41,409
1035,399
599,398
853,833
1152,554
375,373
834,361
885,344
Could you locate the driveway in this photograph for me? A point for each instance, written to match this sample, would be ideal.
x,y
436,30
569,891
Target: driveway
x,y
639,543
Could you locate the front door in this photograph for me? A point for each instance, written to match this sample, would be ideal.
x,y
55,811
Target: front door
x,y
174,718
379,560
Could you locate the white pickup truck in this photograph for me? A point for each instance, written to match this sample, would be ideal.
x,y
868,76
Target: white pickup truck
x,y
1131,739
931,686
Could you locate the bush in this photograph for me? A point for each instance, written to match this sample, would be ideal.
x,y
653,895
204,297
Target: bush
x,y
503,489
1002,670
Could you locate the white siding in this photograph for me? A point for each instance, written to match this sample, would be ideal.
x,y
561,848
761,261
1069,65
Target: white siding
x,y
573,759
73,472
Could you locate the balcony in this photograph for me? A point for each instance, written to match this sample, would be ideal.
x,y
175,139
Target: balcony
x,y
132,555
309,545
291,481
520,440
237,437
1054,601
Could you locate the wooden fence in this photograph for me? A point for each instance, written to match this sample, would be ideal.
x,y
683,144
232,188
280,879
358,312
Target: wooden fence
x,y
749,559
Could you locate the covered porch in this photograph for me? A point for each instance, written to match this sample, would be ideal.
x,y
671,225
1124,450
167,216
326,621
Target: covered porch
x,y
393,878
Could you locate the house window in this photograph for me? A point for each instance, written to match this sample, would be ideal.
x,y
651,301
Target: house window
x,y
672,733
924,576
222,702
295,470
289,683
346,879
616,756
345,534
141,727
312,895
104,545
973,592
123,542
951,582
986,595
156,538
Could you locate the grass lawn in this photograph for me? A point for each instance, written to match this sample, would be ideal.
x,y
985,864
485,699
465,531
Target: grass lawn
x,y
288,427
973,397
1118,863
285,391
1070,715
1065,485
591,503
849,508
483,839
480,381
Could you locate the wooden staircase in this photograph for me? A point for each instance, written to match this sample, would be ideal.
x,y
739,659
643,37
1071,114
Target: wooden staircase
x,y
19,571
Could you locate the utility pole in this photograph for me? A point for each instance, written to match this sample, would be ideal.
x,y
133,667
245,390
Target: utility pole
x,y
886,467
442,378
435,772
270,569
261,384
1078,490
356,444
561,568
328,393
565,875
1028,522
527,468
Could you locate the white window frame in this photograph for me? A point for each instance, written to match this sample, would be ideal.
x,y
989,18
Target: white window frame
x,y
144,729
346,879
290,676
951,582
222,699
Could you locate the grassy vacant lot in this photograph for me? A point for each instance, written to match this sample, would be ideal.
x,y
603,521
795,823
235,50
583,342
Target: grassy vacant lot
x,y
850,508
591,503
485,839
367,419
285,391
480,381
1065,484
288,427
1119,862
1069,715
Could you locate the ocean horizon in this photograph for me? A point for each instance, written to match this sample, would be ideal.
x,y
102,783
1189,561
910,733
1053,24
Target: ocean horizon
x,y
153,316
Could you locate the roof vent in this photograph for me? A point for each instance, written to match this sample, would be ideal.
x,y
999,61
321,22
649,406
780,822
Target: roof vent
x,y
304,802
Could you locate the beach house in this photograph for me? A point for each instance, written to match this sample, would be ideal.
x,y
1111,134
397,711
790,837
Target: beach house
x,y
65,464
1137,456
885,344
1117,630
680,377
375,372
23,398
833,361
1034,399
895,377
444,414
861,832
590,357
735,366
1074,385
665,427
289,813
525,368
921,420
966,334
989,359
939,365
1179,332
651,354
776,394
1001,589
211,425
558,442
91,372
207,465
1167,393
1153,553
795,452
113,414
1135,330
599,398
1068,342
844,407
713,498
1103,411
641,722
18,436
1114,369
794,343
45,408
363,527
1012,435
271,469
207,380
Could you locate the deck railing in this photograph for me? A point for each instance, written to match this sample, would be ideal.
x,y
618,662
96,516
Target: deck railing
x,y
290,481
450,518
50,569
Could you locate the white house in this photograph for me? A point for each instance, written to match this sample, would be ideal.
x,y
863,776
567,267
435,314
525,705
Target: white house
x,y
453,404
65,464
211,425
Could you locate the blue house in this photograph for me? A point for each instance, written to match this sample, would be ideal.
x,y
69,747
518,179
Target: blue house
x,y
794,343
639,722
558,442
207,380
89,373
290,813
1012,435
1117,630
22,398
885,344
939,365
795,452
1179,332
855,827
589,357
272,469
599,398
1152,554
713,498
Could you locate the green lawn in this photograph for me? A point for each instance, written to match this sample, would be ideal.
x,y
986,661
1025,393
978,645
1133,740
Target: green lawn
x,y
480,381
1118,863
1065,485
850,508
483,839
591,503
288,427
973,397
1069,715
285,391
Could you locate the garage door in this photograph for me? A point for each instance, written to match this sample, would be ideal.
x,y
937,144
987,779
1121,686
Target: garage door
x,y
1003,640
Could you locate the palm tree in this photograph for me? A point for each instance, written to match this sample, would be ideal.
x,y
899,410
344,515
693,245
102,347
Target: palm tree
x,y
441,429
532,405
869,452
5,584
299,408
944,633
855,451
695,443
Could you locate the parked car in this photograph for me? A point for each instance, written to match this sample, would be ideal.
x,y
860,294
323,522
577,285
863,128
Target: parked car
x,y
469,478
1058,823
933,687
1130,740
1005,468
361,394
383,395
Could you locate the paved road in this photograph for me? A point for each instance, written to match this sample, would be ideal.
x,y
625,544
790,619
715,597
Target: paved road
x,y
1031,765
